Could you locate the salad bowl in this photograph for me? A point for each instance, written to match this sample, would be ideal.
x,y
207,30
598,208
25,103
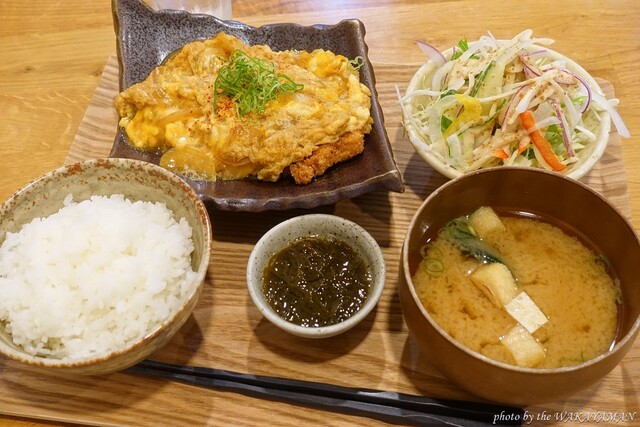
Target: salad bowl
x,y
463,109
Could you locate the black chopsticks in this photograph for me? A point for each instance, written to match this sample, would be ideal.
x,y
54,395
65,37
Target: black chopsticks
x,y
387,406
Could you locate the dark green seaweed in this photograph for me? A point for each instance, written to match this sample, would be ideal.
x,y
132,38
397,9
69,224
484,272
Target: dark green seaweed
x,y
461,234
316,281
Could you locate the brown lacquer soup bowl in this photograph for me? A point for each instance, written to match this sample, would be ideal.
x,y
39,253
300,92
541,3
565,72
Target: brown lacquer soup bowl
x,y
549,195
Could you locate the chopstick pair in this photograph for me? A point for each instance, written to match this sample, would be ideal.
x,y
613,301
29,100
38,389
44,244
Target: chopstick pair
x,y
387,406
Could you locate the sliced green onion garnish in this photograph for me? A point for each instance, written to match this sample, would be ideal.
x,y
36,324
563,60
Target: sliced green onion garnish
x,y
251,82
356,63
433,266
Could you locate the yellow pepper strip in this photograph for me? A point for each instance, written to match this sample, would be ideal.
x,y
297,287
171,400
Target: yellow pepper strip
x,y
471,110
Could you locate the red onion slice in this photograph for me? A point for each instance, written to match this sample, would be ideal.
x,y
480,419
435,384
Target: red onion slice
x,y
529,70
511,104
433,53
565,135
586,105
536,53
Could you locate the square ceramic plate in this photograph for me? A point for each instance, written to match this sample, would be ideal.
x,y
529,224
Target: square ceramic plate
x,y
145,37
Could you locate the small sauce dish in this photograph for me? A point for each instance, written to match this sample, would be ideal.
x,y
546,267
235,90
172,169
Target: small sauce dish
x,y
322,226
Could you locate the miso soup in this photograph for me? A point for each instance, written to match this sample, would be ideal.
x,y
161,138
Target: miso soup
x,y
568,281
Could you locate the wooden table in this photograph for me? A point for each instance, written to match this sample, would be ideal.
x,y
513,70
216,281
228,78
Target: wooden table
x,y
52,58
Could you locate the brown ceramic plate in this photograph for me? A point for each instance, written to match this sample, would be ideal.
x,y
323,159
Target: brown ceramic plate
x,y
145,37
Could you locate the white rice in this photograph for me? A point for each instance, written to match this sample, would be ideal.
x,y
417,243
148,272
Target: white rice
x,y
93,277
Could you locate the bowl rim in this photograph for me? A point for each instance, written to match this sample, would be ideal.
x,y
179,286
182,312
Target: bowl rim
x,y
306,220
434,160
630,335
130,164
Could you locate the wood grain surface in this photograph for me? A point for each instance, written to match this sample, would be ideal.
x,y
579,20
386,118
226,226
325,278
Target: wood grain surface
x,y
57,95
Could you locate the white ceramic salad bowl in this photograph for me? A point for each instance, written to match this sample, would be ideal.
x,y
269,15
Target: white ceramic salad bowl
x,y
581,129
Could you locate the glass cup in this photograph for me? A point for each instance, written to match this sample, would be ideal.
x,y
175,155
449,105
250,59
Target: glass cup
x,y
218,8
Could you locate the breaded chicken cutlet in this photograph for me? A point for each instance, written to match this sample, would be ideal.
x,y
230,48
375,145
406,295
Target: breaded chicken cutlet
x,y
325,156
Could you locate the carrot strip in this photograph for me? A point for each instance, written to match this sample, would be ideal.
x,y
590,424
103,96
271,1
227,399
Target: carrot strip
x,y
541,143
523,144
500,153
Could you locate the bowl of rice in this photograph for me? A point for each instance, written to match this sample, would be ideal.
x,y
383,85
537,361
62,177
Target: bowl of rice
x,y
101,263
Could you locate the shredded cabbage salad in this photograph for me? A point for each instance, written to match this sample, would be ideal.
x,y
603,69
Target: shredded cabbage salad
x,y
506,102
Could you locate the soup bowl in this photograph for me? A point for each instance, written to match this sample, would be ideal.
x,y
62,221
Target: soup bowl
x,y
556,198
